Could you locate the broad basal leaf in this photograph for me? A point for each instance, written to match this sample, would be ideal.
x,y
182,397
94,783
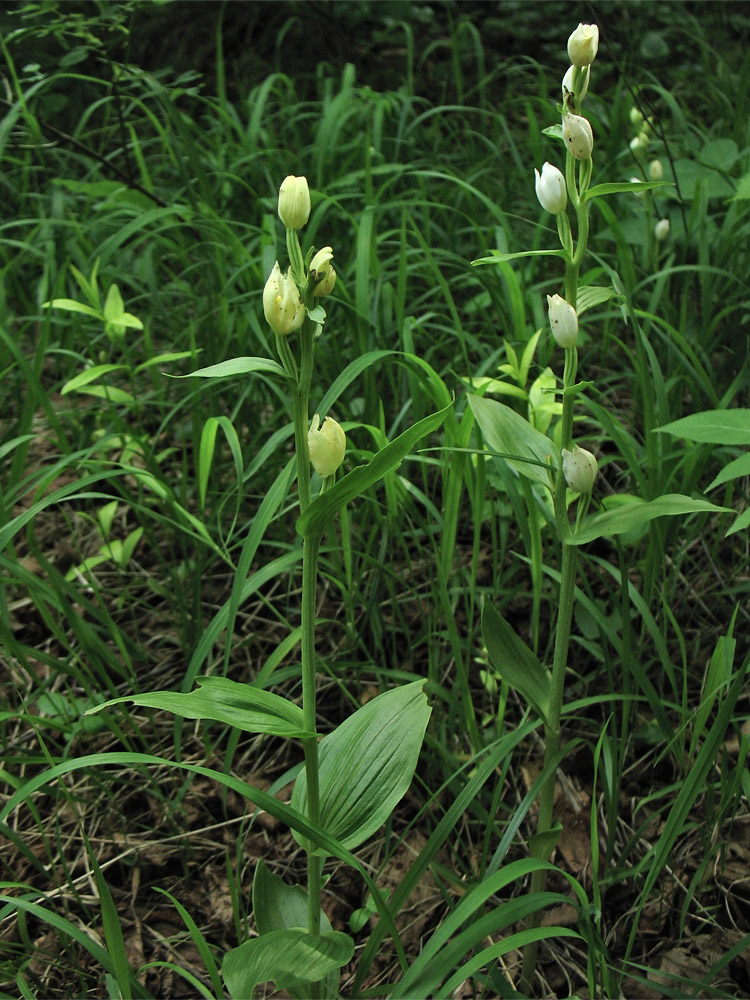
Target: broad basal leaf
x,y
278,906
367,764
287,957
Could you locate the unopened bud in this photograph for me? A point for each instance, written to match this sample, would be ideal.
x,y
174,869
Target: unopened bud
x,y
655,170
580,469
550,189
578,136
294,202
327,445
563,320
661,229
583,44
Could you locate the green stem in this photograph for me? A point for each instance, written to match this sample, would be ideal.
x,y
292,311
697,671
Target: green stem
x,y
568,569
310,746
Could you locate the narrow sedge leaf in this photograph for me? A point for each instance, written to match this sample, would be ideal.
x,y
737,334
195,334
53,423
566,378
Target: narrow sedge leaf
x,y
354,484
635,514
515,662
90,375
367,764
712,427
497,257
70,305
162,359
733,470
112,393
623,187
527,450
288,957
222,700
278,906
237,366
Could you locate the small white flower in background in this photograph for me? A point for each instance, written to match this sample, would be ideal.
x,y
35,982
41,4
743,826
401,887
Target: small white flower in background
x,y
327,445
583,44
550,189
563,320
294,202
567,83
282,304
323,272
636,116
639,144
578,136
580,469
655,170
661,229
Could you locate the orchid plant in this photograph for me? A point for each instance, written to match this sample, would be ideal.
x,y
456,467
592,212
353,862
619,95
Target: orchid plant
x,y
561,472
352,778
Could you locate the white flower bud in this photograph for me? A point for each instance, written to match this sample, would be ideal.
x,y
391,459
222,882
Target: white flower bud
x,y
567,83
294,202
327,445
580,469
563,320
661,229
636,116
578,136
282,304
583,44
655,170
322,271
550,189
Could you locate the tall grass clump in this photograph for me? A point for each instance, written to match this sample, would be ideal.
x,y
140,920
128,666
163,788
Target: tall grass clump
x,y
374,478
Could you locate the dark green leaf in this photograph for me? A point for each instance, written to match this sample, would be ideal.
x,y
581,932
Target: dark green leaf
x,y
515,662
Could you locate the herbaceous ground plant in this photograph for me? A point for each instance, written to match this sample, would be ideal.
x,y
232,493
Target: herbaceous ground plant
x,y
539,456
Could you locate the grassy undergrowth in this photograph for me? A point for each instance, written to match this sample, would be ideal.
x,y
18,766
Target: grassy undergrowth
x,y
137,506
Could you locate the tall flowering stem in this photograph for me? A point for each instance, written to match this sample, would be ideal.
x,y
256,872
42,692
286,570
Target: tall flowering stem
x,y
288,302
578,139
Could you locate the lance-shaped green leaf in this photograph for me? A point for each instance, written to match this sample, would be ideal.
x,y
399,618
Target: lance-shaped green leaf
x,y
367,764
237,366
525,449
712,427
362,478
496,257
222,700
633,515
515,662
289,958
623,187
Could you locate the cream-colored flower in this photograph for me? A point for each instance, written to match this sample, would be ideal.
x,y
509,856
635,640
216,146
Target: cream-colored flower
x,y
282,305
323,272
580,469
550,189
327,445
563,320
578,136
